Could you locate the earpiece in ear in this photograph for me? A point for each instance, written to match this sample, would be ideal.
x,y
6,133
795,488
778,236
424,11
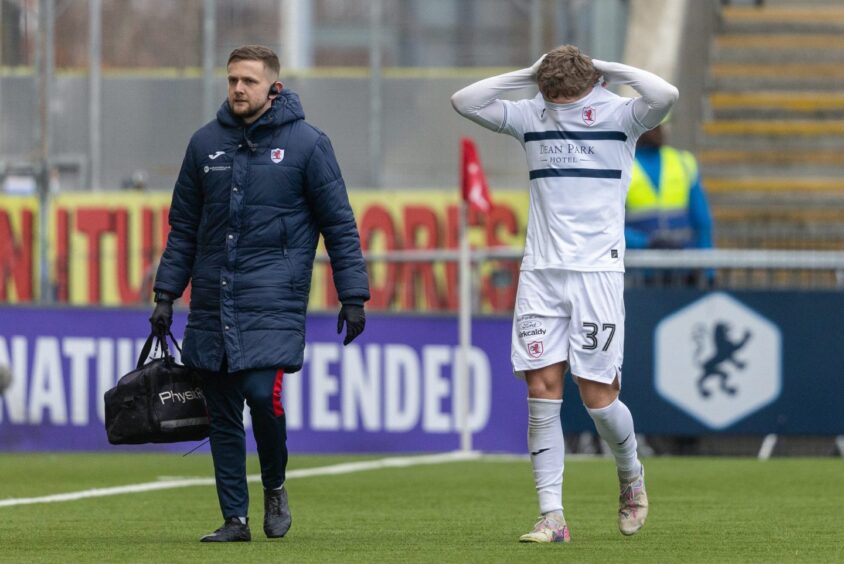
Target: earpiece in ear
x,y
274,91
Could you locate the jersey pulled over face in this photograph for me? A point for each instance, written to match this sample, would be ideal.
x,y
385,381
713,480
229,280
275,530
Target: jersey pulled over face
x,y
580,157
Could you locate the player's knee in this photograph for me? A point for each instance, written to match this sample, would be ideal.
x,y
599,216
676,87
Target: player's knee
x,y
546,382
538,390
596,395
259,398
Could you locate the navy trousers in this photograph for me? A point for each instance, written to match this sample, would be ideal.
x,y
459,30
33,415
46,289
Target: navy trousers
x,y
225,393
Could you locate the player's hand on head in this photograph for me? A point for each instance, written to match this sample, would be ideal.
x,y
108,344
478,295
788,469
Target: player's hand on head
x,y
601,69
535,67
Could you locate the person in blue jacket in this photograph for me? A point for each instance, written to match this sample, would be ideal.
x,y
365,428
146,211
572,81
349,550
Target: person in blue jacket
x,y
257,187
666,205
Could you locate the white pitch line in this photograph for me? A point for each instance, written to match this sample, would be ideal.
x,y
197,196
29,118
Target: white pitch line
x,y
332,470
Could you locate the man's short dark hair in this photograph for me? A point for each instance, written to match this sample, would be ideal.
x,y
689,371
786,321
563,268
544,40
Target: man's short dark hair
x,y
257,53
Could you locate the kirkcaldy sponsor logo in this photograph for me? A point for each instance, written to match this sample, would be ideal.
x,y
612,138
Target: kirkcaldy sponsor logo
x,y
531,327
530,323
531,333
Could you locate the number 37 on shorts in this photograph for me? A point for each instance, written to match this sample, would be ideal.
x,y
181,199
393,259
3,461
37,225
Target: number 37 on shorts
x,y
576,317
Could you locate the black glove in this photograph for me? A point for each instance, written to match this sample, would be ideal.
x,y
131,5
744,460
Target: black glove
x,y
355,320
162,315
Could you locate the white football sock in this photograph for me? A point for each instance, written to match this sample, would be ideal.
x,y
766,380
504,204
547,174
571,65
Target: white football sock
x,y
615,425
547,448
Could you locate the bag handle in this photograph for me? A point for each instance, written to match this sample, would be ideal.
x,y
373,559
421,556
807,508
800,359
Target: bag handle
x,y
147,348
175,342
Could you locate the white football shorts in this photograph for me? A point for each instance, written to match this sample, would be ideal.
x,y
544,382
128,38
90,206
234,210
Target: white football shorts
x,y
571,316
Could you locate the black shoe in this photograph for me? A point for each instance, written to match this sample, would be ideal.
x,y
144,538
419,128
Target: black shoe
x,y
231,531
277,517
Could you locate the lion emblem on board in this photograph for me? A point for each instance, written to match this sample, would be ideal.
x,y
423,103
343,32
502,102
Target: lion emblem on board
x,y
725,351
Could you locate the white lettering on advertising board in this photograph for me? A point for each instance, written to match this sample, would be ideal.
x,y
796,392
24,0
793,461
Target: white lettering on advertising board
x,y
375,387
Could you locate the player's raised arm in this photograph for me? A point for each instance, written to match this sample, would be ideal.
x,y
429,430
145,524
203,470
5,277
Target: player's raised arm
x,y
481,103
657,95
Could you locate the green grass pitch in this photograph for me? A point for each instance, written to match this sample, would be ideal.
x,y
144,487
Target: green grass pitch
x,y
702,510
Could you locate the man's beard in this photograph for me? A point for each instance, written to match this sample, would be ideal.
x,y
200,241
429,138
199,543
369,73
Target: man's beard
x,y
249,112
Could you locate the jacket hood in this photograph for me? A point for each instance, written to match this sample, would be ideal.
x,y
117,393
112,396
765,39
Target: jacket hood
x,y
285,108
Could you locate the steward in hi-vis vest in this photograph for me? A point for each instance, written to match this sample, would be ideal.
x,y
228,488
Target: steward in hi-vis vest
x,y
666,206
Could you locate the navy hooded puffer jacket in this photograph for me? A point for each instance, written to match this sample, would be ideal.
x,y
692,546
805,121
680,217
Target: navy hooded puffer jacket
x,y
248,208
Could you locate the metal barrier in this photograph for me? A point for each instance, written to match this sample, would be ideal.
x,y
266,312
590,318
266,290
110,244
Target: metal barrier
x,y
704,269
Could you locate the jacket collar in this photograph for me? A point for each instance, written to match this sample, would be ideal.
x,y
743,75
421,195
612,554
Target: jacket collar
x,y
286,108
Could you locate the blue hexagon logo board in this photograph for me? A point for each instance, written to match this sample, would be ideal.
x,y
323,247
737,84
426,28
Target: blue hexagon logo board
x,y
718,360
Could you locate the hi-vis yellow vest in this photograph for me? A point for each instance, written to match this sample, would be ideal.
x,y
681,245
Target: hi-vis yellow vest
x,y
677,172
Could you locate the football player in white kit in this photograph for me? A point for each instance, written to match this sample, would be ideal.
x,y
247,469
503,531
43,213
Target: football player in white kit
x,y
579,139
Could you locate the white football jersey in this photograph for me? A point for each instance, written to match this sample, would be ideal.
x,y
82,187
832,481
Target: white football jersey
x,y
580,157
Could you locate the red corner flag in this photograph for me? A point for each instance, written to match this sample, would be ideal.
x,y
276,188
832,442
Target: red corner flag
x,y
472,181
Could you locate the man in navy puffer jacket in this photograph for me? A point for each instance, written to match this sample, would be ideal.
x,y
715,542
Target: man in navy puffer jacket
x,y
257,187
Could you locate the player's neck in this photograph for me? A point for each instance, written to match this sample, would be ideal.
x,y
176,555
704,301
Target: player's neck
x,y
570,99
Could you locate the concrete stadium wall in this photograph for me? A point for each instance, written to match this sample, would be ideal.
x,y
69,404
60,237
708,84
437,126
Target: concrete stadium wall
x,y
671,38
147,122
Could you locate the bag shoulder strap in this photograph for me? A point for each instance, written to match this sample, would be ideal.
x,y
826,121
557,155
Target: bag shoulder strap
x,y
145,351
175,342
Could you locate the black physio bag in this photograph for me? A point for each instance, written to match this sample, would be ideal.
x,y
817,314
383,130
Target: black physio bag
x,y
158,402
